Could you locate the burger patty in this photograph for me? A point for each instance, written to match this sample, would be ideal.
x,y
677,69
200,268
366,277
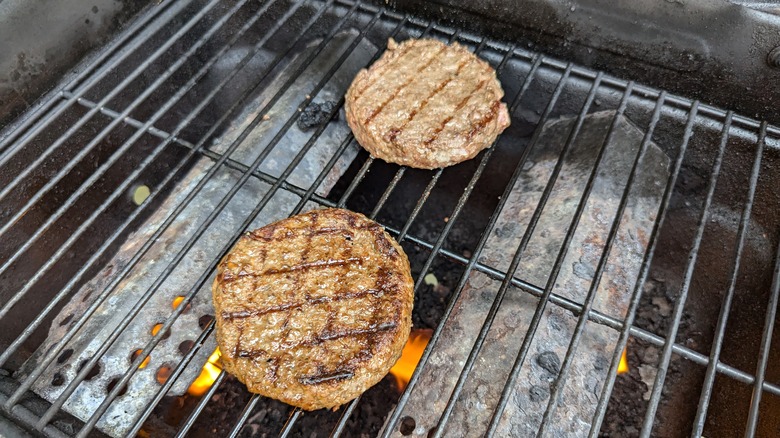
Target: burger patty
x,y
426,104
314,309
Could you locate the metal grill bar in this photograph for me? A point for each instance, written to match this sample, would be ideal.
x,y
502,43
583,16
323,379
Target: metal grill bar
x,y
514,373
172,379
606,391
111,49
84,119
364,170
63,293
25,416
245,413
396,413
305,198
170,219
202,228
343,419
290,423
187,359
185,428
766,343
477,347
128,120
597,316
655,396
588,305
586,313
725,308
119,153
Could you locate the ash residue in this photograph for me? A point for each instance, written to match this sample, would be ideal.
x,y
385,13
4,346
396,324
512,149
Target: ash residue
x,y
550,362
316,114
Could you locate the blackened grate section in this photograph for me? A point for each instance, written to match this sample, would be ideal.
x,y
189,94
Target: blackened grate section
x,y
154,101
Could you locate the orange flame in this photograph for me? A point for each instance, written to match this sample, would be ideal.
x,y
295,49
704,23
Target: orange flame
x,y
177,301
207,376
623,366
410,356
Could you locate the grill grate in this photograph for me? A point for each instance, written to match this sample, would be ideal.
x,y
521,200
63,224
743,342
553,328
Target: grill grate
x,y
167,71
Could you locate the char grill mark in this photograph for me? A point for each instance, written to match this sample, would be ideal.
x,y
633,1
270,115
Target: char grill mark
x,y
269,238
299,267
322,338
396,61
485,120
265,234
340,296
395,132
334,376
458,108
404,85
340,334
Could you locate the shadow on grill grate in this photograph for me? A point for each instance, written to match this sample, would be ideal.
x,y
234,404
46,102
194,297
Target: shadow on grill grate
x,y
608,217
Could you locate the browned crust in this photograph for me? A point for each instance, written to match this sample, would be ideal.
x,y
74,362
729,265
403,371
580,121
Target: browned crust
x,y
314,309
427,105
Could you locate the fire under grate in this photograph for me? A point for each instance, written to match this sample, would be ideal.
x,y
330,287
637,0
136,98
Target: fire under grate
x,y
609,217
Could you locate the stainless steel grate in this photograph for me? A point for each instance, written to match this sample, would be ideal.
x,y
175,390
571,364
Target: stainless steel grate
x,y
173,103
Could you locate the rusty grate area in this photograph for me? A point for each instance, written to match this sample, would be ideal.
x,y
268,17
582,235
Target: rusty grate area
x,y
609,217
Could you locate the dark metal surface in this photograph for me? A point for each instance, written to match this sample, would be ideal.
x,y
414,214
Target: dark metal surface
x,y
158,98
43,41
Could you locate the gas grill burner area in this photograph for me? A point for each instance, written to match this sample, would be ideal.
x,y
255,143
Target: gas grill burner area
x,y
609,268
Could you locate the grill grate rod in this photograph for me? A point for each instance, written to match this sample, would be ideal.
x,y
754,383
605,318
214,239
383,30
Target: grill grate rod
x,y
202,228
477,346
395,414
305,197
359,178
24,416
725,308
594,316
128,120
435,250
245,413
567,304
106,130
84,119
522,353
172,379
63,293
185,361
343,419
185,428
118,44
766,347
191,195
591,295
606,390
290,423
116,156
336,432
655,396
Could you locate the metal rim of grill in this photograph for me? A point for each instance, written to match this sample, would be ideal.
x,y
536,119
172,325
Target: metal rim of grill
x,y
73,94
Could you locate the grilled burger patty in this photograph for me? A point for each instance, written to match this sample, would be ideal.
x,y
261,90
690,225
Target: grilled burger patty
x,y
425,104
314,309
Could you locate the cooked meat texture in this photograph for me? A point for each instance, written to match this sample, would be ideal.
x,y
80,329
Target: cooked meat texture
x,y
427,105
314,309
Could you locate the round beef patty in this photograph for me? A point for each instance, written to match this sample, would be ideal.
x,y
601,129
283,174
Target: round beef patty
x,y
427,105
314,309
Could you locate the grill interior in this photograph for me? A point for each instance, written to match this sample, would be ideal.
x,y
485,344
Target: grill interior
x,y
177,102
